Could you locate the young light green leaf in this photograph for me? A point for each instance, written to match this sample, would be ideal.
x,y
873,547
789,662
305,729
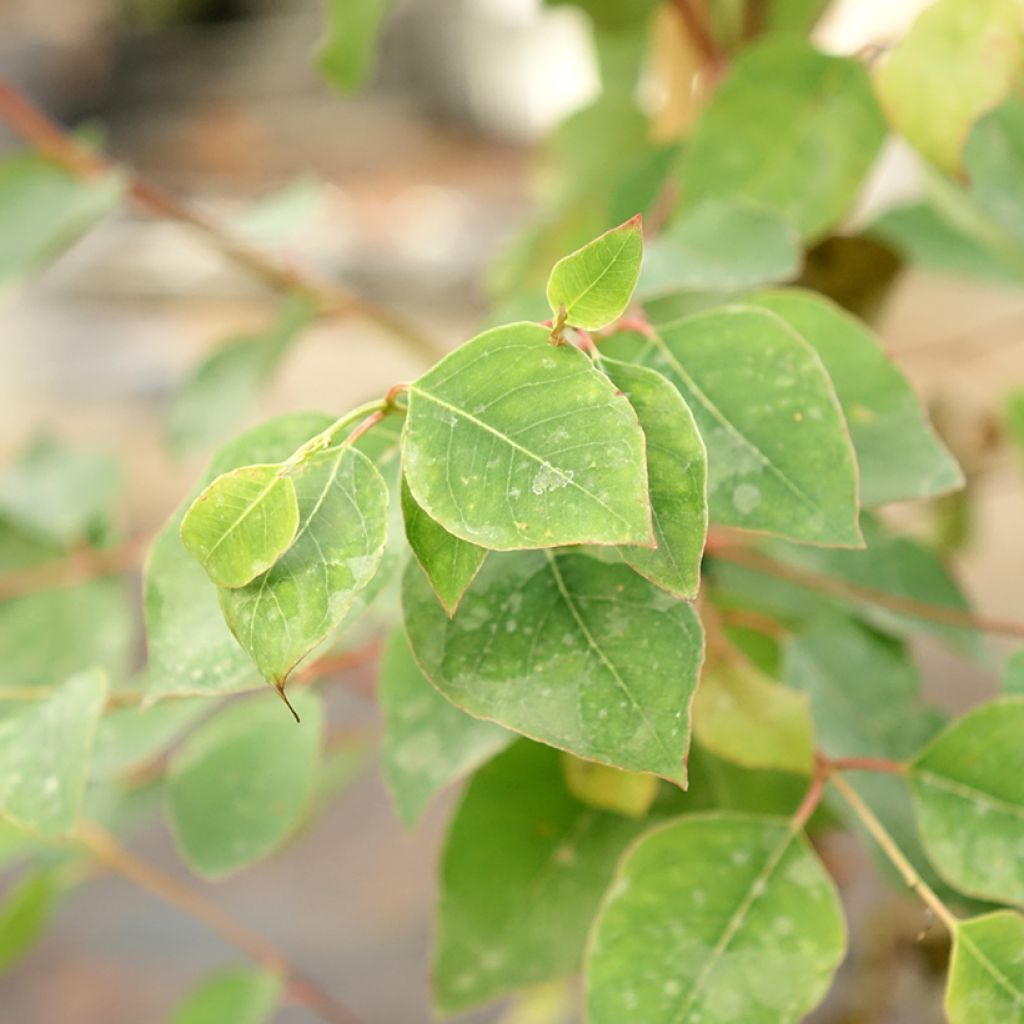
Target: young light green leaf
x,y
44,208
240,996
986,972
44,755
95,622
610,789
581,654
742,716
594,284
784,109
512,442
282,615
898,453
719,917
779,455
958,61
522,874
242,782
191,649
216,395
449,562
347,52
720,245
974,772
428,742
242,524
60,494
677,476
24,915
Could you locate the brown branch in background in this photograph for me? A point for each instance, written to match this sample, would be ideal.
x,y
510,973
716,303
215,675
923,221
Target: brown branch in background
x,y
79,567
833,587
695,21
50,140
112,855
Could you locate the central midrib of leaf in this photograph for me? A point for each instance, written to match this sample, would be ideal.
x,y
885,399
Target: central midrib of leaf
x,y
605,660
753,893
470,418
600,277
968,792
715,412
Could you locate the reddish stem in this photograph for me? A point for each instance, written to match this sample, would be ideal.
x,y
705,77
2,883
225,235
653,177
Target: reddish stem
x,y
867,764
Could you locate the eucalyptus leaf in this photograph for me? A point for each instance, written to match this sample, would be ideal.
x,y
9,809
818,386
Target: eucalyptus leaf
x,y
44,755
986,973
449,562
716,917
779,455
790,130
958,61
512,442
242,782
720,245
968,788
239,996
283,614
522,874
428,742
594,284
191,649
581,654
677,475
242,524
898,453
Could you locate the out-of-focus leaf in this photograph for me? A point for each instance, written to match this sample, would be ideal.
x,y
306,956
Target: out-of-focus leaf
x,y
346,55
241,996
128,737
24,914
241,783
610,789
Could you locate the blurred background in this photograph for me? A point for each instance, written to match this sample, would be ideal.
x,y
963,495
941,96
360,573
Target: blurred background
x,y
404,193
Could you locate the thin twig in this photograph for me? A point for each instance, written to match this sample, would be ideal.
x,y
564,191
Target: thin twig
x,y
867,764
79,567
106,849
833,587
814,794
894,853
699,31
50,140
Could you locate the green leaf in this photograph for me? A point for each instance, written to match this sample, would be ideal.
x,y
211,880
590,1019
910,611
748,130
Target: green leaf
x,y
217,394
612,14
929,240
449,562
863,689
191,649
95,622
129,737
346,55
242,524
721,245
610,789
779,455
282,615
677,475
59,494
24,915
44,755
743,717
791,131
898,453
968,788
958,61
1013,674
522,874
581,654
43,209
240,996
512,442
428,742
595,283
891,565
793,15
993,161
716,917
986,973
242,782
